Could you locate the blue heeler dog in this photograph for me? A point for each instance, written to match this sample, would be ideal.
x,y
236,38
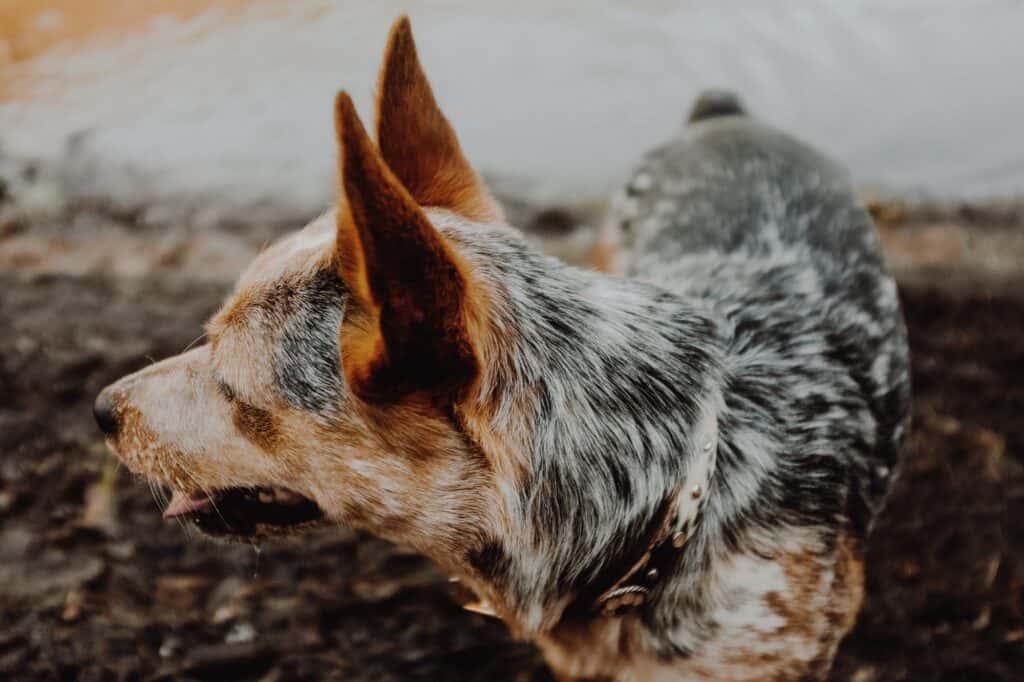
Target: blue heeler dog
x,y
665,474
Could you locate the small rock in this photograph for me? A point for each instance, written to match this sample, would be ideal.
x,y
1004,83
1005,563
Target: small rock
x,y
240,633
169,647
864,674
122,551
73,605
100,500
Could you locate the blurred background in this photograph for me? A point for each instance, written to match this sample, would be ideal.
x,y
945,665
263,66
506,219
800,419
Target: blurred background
x,y
149,149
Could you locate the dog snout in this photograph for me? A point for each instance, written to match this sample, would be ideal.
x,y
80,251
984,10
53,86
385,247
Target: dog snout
x,y
105,411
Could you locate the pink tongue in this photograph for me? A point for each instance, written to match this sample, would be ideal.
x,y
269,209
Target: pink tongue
x,y
184,504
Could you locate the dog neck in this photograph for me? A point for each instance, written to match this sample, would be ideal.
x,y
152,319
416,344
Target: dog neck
x,y
608,390
668,535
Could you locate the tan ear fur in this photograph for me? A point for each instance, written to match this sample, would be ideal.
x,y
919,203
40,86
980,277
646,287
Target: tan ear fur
x,y
410,283
416,140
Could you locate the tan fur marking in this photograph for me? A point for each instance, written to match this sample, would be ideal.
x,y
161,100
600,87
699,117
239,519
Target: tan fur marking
x,y
848,585
603,258
236,313
257,425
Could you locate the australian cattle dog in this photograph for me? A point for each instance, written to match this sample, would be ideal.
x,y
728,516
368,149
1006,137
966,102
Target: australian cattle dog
x,y
664,472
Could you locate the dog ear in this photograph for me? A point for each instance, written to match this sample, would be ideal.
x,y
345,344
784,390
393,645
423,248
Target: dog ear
x,y
416,140
411,285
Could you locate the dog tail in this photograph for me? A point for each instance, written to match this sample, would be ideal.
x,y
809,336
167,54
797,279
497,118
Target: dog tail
x,y
716,103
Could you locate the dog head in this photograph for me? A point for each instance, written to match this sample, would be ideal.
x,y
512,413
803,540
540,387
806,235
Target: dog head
x,y
327,385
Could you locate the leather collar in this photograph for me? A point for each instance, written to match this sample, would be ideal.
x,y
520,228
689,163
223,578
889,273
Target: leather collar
x,y
676,526
673,527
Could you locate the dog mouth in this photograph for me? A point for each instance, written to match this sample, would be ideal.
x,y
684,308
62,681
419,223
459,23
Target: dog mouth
x,y
243,513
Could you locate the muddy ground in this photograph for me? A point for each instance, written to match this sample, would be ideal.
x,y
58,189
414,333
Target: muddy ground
x,y
95,586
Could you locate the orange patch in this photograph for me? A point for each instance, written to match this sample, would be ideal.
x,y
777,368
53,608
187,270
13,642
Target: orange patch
x,y
240,303
848,584
603,256
31,27
800,609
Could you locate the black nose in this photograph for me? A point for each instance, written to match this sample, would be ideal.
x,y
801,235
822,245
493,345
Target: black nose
x,y
104,411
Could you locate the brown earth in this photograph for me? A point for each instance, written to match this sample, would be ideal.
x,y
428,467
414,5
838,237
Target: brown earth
x,y
95,586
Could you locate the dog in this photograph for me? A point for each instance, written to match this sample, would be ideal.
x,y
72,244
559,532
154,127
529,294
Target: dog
x,y
668,472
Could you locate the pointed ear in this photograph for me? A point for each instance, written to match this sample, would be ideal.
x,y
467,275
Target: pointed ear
x,y
416,140
413,287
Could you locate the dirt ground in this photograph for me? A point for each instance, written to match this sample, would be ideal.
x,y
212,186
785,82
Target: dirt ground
x,y
95,586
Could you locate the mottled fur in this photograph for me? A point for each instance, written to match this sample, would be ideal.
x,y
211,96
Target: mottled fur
x,y
572,403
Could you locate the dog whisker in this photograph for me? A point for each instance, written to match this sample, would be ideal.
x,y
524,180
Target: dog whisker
x,y
153,492
196,340
209,496
181,523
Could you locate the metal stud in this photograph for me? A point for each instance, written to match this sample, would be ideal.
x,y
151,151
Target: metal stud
x,y
707,446
696,491
678,540
652,574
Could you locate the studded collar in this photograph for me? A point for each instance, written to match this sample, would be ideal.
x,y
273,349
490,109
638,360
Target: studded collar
x,y
673,526
676,526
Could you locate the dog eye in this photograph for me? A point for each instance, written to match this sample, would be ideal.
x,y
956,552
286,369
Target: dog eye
x,y
225,390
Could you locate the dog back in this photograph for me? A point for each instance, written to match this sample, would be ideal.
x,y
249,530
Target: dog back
x,y
771,234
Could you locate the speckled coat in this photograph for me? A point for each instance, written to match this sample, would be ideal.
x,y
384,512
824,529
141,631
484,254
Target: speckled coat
x,y
767,236
410,366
